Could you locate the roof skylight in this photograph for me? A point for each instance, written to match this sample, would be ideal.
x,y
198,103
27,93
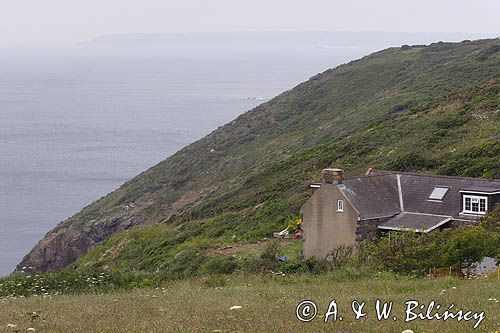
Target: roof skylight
x,y
438,193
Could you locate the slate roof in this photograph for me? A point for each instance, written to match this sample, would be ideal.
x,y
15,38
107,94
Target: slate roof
x,y
372,197
414,222
376,194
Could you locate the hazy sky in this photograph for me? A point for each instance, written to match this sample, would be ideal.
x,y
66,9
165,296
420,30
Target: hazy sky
x,y
69,21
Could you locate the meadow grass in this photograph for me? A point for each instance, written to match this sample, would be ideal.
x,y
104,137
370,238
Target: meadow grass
x,y
267,305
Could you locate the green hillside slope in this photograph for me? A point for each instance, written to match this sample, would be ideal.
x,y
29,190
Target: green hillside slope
x,y
425,108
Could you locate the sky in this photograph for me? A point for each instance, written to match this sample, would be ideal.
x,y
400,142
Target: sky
x,y
70,21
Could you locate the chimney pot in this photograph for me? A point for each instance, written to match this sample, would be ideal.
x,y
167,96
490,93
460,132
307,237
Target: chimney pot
x,y
333,176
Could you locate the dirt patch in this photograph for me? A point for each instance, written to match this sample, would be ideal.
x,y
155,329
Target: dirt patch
x,y
232,250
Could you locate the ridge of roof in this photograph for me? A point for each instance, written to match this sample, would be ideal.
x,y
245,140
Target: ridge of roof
x,y
369,176
417,213
419,174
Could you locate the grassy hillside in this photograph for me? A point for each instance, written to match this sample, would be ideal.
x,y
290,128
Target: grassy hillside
x,y
267,305
424,108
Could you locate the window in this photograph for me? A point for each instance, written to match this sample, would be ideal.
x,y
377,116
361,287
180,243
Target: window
x,y
340,205
475,204
438,193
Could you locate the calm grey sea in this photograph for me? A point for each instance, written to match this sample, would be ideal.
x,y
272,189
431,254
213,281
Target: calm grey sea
x,y
76,123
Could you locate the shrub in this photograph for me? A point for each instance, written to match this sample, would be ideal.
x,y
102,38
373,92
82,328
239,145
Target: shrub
x,y
316,266
411,161
219,265
491,223
269,259
294,224
213,281
340,255
411,253
466,247
406,252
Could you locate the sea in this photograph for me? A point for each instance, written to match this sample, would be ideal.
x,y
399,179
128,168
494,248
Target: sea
x,y
76,121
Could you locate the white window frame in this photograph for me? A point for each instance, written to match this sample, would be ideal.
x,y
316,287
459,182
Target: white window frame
x,y
473,198
340,205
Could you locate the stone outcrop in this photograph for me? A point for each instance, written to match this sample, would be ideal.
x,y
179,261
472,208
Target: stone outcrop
x,y
65,244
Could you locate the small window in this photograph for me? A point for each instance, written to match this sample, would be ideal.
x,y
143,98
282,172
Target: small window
x,y
340,205
438,193
475,204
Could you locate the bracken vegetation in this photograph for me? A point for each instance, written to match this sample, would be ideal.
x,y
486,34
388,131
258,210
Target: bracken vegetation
x,y
458,250
424,108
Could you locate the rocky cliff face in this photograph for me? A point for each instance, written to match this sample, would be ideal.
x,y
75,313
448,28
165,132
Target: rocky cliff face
x,y
65,244
76,236
249,175
56,250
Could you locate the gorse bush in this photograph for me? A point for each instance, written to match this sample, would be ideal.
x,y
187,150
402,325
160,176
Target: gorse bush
x,y
294,224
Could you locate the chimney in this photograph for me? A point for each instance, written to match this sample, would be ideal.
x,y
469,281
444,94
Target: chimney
x,y
333,176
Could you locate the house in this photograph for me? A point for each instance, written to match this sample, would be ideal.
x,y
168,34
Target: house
x,y
344,211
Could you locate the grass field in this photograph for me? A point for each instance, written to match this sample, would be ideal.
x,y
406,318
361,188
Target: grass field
x,y
267,305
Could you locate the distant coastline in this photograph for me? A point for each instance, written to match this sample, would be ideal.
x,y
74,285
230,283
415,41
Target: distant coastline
x,y
323,39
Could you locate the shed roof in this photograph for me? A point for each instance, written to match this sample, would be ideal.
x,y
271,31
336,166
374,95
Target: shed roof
x,y
414,222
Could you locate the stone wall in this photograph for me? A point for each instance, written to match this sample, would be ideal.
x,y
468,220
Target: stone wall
x,y
367,229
